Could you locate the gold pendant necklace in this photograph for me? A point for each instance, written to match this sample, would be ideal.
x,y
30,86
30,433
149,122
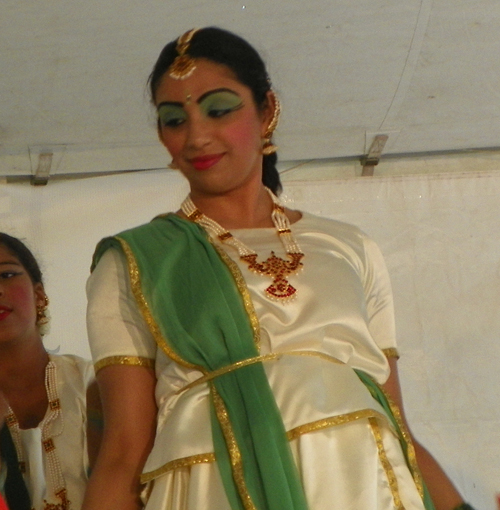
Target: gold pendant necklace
x,y
275,267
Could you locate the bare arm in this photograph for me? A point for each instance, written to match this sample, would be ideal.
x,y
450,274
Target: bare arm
x,y
129,409
95,423
444,495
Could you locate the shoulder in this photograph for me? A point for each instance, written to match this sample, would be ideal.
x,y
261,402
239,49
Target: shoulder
x,y
165,223
331,227
75,368
340,237
162,231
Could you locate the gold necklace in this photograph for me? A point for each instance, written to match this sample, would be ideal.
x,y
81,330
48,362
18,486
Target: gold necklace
x,y
275,267
52,419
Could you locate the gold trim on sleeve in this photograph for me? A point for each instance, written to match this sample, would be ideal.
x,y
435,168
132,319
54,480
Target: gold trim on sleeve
x,y
177,464
124,360
389,471
391,352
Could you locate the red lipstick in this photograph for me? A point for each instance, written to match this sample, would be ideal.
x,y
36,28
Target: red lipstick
x,y
206,162
4,312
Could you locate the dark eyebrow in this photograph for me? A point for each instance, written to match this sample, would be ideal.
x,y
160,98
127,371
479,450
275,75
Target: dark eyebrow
x,y
169,103
200,99
210,92
11,263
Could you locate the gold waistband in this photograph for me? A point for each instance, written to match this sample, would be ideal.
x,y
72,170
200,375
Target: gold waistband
x,y
273,356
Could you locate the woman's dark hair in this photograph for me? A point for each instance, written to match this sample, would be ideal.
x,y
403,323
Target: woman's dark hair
x,y
15,489
24,255
223,47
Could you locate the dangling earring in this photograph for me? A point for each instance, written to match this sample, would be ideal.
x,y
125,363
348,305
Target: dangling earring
x,y
42,316
173,166
268,147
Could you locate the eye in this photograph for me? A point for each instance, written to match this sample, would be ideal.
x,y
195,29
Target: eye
x,y
171,115
216,113
220,103
5,275
173,122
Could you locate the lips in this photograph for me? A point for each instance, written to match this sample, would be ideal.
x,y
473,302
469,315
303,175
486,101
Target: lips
x,y
4,312
206,162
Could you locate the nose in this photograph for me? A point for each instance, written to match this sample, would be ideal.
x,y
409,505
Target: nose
x,y
198,133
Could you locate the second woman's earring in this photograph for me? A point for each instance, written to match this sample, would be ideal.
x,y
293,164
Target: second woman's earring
x,y
42,316
173,166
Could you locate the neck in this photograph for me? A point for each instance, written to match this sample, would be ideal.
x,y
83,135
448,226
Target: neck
x,y
22,366
237,208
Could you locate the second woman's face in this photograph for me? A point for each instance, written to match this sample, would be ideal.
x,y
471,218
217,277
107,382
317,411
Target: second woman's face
x,y
212,128
18,299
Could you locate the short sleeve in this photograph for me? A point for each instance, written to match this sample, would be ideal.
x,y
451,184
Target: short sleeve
x,y
379,299
117,331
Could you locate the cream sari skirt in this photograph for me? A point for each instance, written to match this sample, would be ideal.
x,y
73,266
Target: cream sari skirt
x,y
342,467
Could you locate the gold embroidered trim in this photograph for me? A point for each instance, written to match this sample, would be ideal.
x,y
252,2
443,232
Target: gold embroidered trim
x,y
233,449
243,290
135,283
273,356
292,434
219,406
332,421
391,352
412,456
178,463
124,360
389,471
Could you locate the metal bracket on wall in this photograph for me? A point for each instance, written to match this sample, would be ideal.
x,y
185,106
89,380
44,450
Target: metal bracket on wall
x,y
42,173
371,160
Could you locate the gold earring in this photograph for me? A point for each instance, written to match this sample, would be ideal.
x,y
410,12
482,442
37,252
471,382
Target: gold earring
x,y
42,316
172,166
268,147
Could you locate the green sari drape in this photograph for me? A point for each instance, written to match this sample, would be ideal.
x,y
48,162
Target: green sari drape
x,y
193,299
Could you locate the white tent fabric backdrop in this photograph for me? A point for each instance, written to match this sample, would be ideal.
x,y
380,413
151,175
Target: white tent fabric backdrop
x,y
424,72
440,237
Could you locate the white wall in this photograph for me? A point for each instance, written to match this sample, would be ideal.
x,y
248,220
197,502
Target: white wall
x,y
441,239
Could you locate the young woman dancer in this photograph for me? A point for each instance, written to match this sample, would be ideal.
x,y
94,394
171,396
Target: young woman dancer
x,y
245,352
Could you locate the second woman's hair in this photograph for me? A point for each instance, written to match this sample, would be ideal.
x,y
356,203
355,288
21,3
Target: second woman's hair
x,y
223,47
24,255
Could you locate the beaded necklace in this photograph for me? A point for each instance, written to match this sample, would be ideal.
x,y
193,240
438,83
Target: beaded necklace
x,y
275,267
52,419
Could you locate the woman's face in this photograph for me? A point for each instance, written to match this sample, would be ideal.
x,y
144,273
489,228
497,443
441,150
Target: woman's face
x,y
212,128
18,299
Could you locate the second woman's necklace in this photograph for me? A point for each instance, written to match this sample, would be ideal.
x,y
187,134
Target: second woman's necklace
x,y
51,426
275,267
